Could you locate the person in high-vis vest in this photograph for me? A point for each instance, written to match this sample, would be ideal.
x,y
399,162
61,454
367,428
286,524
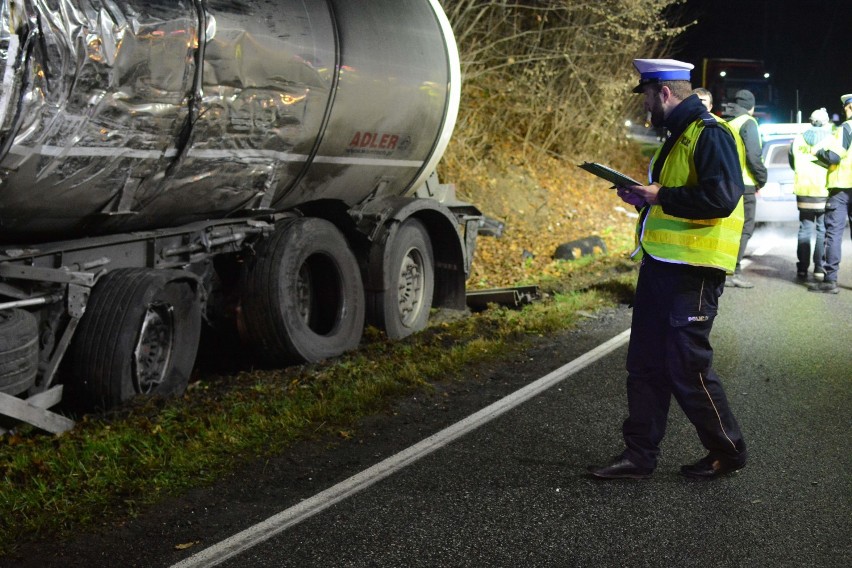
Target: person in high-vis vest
x,y
687,237
740,115
810,188
838,209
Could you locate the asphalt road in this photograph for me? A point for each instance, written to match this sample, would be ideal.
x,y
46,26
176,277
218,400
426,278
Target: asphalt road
x,y
514,491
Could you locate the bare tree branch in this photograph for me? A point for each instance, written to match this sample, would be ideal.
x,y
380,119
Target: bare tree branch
x,y
558,73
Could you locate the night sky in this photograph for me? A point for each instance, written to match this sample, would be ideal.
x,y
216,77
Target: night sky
x,y
806,45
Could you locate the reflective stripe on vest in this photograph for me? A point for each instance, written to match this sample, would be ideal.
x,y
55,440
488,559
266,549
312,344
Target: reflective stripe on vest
x,y
811,178
736,125
697,242
841,176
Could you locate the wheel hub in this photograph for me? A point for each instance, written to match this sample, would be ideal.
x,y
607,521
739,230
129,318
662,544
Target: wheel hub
x,y
410,287
155,348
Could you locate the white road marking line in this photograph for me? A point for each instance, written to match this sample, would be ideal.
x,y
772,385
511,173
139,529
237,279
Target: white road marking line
x,y
254,535
764,249
761,251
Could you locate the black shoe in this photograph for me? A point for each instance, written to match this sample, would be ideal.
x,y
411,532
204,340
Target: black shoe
x,y
711,467
621,468
802,275
824,287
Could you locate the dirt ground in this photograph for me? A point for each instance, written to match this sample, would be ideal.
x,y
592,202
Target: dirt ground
x,y
542,205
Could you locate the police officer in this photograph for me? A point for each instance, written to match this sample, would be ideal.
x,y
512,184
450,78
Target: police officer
x,y
811,193
839,207
688,234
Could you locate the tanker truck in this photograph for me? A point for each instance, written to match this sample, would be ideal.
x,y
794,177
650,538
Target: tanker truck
x,y
265,167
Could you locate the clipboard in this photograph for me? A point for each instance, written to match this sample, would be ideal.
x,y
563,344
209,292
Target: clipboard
x,y
615,177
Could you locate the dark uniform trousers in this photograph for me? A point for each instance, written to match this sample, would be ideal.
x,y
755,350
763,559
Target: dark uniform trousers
x,y
670,355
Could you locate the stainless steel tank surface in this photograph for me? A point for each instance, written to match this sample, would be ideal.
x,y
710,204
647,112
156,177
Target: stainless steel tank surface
x,y
120,115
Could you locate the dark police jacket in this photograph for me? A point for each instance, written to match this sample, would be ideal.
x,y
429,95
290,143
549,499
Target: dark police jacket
x,y
720,180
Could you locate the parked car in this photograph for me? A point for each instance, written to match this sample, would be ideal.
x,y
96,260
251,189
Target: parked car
x,y
776,202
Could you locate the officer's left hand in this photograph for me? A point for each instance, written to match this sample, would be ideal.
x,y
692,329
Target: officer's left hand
x,y
640,195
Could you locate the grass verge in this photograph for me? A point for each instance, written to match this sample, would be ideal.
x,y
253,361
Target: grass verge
x,y
113,465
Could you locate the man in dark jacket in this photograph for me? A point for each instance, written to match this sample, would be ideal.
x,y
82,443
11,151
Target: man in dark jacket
x,y
754,176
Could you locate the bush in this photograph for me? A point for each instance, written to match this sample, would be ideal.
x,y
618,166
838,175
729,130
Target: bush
x,y
557,72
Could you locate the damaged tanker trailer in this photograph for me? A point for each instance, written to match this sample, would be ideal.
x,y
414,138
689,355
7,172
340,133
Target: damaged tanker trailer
x,y
262,165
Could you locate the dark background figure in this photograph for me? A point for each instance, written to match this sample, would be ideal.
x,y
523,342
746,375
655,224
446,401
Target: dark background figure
x,y
705,96
811,193
838,209
695,191
754,174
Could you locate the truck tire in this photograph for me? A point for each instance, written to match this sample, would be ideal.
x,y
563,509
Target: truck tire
x,y
18,351
402,308
139,336
302,298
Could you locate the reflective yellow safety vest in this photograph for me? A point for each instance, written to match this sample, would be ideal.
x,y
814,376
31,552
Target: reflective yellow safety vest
x,y
696,242
841,176
736,125
811,178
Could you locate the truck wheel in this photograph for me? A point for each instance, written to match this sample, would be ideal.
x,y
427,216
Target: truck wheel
x,y
18,351
403,307
302,298
139,336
